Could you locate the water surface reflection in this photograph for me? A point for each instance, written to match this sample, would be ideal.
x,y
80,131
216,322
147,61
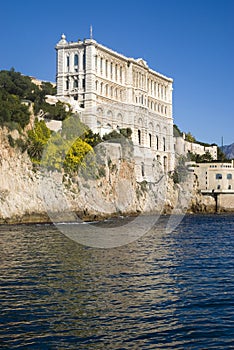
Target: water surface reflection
x,y
163,291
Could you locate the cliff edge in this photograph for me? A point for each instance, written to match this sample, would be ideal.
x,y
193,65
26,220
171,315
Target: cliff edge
x,y
32,195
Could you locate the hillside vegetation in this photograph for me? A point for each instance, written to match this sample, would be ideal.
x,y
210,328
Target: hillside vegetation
x,y
67,150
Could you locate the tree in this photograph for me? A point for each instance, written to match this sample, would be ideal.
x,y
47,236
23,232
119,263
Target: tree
x,y
75,157
126,132
201,158
55,152
221,156
72,128
37,140
12,110
176,131
56,112
189,137
93,139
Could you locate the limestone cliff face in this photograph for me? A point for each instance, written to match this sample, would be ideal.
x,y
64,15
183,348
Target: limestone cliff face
x,y
27,195
18,182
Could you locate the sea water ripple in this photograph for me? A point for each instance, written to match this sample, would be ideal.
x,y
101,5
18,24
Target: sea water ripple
x,y
164,291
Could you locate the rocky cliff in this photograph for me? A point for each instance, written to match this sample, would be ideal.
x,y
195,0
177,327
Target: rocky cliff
x,y
29,195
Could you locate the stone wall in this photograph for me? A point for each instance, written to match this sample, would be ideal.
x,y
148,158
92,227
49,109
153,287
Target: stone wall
x,y
226,202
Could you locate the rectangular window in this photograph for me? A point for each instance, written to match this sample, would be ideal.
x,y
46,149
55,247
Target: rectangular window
x,y
76,60
164,144
84,61
139,136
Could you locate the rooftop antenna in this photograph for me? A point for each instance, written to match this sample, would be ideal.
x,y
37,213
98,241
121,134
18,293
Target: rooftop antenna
x,y
91,32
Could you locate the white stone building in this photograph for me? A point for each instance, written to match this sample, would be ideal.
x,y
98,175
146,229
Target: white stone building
x,y
214,177
183,147
112,91
217,180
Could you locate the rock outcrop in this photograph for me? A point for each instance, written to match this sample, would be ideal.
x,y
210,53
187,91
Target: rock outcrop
x,y
29,195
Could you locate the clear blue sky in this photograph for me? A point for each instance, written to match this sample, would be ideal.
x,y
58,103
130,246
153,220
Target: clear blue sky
x,y
191,41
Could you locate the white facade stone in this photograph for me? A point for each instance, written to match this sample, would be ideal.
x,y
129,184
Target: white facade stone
x,y
183,147
112,91
214,177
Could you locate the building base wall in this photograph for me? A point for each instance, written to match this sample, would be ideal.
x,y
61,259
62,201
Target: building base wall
x,y
226,202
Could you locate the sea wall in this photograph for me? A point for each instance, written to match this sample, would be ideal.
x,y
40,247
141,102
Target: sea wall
x,y
225,202
29,195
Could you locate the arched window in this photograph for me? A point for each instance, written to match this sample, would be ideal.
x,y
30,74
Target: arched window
x,y
111,69
150,140
120,119
101,63
120,95
158,158
68,61
76,60
75,83
106,68
100,112
101,88
116,72
164,144
84,60
142,169
67,84
165,163
139,136
120,74
109,116
218,176
162,91
157,143
107,89
229,176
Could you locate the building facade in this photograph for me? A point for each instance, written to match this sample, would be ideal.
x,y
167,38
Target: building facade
x,y
112,91
183,147
214,177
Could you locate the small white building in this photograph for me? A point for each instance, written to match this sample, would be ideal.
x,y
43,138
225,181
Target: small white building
x,y
214,177
112,91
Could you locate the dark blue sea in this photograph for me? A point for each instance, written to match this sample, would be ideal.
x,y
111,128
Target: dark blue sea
x,y
163,291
